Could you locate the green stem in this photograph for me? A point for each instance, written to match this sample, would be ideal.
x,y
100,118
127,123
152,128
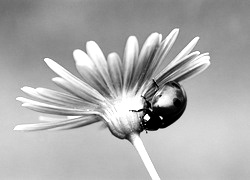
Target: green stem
x,y
138,144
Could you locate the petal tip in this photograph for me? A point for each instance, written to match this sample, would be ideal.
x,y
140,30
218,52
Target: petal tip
x,y
20,99
20,128
132,38
196,39
49,62
27,89
77,55
24,88
176,30
46,60
17,128
91,44
76,51
56,79
25,105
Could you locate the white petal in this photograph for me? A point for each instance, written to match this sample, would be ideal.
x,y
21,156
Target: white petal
x,y
115,71
130,57
90,73
168,71
53,109
145,59
63,98
32,92
82,59
76,83
53,118
163,50
75,90
185,51
59,125
185,68
51,99
95,53
195,70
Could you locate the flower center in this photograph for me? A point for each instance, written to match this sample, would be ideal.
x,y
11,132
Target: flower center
x,y
120,119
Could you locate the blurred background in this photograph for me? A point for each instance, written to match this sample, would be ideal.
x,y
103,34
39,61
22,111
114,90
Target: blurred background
x,y
210,141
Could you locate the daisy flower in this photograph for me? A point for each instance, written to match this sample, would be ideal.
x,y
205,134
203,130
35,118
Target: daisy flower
x,y
111,87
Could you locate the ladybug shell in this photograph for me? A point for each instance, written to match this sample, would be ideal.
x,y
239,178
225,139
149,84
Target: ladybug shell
x,y
169,103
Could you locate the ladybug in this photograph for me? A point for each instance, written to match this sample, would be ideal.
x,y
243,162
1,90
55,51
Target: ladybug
x,y
166,106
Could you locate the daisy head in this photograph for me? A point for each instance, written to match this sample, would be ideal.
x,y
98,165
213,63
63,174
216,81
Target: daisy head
x,y
112,90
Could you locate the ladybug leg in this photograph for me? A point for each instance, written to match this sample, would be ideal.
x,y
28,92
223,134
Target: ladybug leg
x,y
157,86
147,102
138,110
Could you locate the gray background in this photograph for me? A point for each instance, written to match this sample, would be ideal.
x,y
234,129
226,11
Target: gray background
x,y
210,141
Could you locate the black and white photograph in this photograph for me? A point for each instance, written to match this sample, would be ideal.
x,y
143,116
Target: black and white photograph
x,y
125,90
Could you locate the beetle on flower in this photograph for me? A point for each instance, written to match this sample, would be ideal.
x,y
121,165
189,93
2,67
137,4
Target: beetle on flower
x,y
114,90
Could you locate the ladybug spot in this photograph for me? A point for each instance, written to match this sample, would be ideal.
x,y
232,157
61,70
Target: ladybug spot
x,y
146,117
176,102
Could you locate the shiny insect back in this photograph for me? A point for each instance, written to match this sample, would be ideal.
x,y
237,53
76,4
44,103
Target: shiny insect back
x,y
167,106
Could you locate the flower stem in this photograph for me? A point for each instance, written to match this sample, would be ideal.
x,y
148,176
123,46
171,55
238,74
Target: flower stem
x,y
138,144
